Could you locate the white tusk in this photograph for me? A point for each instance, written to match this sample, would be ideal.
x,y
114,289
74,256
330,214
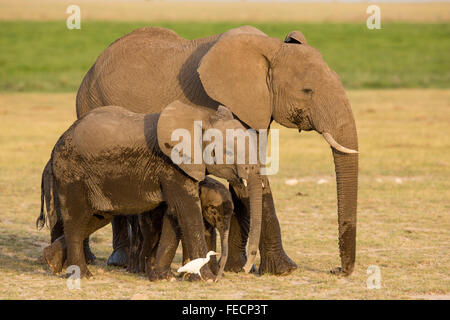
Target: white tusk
x,y
244,181
329,138
262,183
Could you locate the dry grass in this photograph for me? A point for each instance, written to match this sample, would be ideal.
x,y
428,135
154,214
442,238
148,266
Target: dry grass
x,y
154,11
403,220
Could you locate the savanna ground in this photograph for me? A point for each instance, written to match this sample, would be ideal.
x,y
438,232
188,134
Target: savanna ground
x,y
403,210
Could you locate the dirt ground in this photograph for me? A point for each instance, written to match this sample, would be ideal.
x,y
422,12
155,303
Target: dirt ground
x,y
403,210
154,11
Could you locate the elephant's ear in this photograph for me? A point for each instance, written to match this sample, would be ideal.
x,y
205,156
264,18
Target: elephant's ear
x,y
235,72
180,136
295,37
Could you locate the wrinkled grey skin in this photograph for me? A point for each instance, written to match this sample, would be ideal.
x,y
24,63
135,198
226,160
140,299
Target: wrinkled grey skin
x,y
54,222
144,233
260,79
99,172
146,240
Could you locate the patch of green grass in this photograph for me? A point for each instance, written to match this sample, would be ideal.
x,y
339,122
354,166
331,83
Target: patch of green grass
x,y
46,56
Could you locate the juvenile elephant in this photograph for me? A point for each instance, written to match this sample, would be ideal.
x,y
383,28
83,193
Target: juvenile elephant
x,y
260,78
146,240
101,171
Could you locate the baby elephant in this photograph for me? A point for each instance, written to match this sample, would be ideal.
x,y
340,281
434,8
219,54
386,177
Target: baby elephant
x,y
147,241
217,210
116,162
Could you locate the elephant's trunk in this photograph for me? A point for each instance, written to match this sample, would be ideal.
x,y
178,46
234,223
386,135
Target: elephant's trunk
x,y
334,120
224,251
255,195
346,166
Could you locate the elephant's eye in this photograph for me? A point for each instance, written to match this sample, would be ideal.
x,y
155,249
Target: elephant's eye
x,y
308,90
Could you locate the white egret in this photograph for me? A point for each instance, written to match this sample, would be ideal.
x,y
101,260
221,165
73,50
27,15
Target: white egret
x,y
195,265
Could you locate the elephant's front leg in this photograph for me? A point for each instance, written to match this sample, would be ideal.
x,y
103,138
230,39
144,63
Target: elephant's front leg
x,y
166,250
183,200
273,258
211,244
239,228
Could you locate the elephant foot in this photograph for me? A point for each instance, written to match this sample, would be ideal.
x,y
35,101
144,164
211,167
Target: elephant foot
x,y
119,257
207,274
339,272
90,257
156,275
148,270
135,269
276,264
55,255
192,277
136,265
235,262
133,266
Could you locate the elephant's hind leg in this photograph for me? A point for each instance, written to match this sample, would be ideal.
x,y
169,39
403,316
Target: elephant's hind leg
x,y
57,231
56,254
76,232
75,249
80,221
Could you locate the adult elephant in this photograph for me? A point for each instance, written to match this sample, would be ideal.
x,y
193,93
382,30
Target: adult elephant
x,y
260,79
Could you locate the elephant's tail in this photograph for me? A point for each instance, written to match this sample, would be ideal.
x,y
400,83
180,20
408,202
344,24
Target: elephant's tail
x,y
48,195
40,222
